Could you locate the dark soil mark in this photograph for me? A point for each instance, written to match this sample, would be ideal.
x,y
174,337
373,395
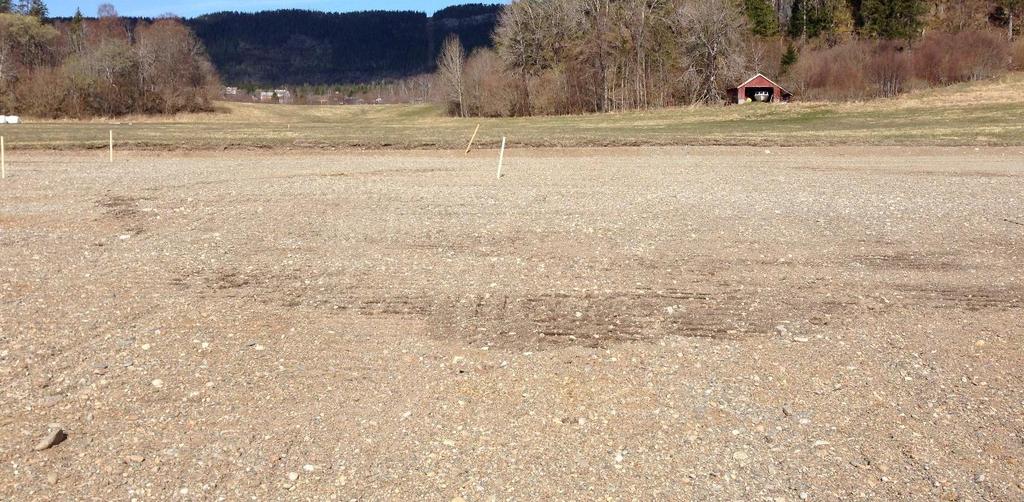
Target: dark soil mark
x,y
121,207
216,281
970,299
907,261
125,209
228,280
594,320
401,305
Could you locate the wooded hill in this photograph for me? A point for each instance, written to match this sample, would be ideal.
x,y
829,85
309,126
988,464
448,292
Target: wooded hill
x,y
556,57
299,46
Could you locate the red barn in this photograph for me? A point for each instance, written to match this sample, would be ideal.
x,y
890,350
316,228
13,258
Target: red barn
x,y
758,88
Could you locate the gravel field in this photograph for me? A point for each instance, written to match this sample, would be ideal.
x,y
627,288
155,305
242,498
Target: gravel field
x,y
644,324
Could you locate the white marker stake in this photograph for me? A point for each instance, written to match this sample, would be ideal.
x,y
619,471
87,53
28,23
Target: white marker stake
x,y
3,161
501,156
111,145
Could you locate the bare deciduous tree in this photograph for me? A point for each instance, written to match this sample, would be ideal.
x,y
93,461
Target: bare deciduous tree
x,y
92,67
451,65
711,31
24,43
486,85
106,10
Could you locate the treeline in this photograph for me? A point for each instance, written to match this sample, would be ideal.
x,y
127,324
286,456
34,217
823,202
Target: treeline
x,y
296,47
102,67
417,89
864,68
579,56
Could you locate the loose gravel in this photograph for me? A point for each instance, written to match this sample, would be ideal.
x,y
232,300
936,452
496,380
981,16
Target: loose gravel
x,y
677,323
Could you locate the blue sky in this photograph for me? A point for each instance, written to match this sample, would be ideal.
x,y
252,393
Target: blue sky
x,y
189,8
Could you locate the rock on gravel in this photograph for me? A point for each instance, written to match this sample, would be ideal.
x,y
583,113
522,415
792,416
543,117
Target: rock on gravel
x,y
55,437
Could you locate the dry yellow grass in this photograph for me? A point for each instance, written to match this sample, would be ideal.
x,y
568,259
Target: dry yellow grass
x,y
984,113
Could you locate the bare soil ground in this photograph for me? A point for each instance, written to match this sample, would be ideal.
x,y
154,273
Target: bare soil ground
x,y
676,323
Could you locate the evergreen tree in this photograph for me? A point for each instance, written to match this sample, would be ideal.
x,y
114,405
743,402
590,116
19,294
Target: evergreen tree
x,y
77,31
789,59
1011,9
893,19
762,17
811,18
796,20
38,9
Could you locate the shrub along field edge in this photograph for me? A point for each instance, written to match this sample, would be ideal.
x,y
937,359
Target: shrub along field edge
x,y
981,113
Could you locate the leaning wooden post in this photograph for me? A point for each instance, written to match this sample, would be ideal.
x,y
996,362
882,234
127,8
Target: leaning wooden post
x,y
501,156
471,138
3,160
111,145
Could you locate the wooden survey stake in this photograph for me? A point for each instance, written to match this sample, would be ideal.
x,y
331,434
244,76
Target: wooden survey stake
x,y
471,138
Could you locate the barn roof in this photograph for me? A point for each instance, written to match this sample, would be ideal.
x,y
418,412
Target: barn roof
x,y
751,79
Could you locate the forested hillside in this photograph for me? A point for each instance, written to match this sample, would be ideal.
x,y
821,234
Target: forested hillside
x,y
298,46
583,56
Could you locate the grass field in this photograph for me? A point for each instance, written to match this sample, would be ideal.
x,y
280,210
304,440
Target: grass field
x,y
986,113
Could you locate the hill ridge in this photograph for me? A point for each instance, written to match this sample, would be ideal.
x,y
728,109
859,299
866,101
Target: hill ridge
x,y
295,46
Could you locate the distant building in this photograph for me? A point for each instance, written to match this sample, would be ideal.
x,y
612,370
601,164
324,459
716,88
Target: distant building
x,y
284,96
230,91
758,88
